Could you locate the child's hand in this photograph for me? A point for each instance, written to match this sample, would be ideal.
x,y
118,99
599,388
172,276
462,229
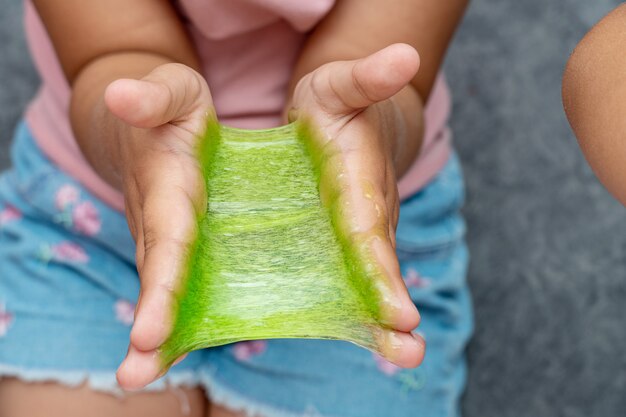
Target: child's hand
x,y
350,103
161,117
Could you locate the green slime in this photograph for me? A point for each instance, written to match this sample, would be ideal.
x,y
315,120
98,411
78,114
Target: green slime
x,y
270,260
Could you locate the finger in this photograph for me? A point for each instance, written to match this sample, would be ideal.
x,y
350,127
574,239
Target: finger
x,y
358,197
392,227
133,218
406,350
402,315
393,202
342,87
169,230
138,369
130,202
170,93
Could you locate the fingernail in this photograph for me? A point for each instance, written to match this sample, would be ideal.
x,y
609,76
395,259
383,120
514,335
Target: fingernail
x,y
419,338
120,369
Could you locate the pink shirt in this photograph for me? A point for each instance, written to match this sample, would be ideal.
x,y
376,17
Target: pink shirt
x,y
247,49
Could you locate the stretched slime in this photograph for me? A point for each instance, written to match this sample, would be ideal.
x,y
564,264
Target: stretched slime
x,y
270,259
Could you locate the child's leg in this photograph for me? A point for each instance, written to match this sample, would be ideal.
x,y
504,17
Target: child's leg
x,y
216,410
20,399
594,97
68,284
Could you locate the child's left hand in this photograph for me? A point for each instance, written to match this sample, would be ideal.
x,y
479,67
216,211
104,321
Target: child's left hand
x,y
362,133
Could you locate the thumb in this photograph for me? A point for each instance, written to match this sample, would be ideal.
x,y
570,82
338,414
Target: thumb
x,y
170,93
342,87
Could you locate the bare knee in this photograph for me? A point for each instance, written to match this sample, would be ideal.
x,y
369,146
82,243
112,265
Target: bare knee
x,y
20,399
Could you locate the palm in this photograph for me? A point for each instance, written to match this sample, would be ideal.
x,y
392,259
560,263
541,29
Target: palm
x,y
164,192
348,105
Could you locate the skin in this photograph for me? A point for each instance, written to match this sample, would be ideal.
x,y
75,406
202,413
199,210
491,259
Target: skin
x,y
138,104
594,87
47,399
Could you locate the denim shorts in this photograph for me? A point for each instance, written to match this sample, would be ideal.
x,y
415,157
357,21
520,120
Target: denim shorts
x,y
68,286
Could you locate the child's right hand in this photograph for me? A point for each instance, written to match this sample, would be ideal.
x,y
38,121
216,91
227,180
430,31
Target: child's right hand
x,y
160,119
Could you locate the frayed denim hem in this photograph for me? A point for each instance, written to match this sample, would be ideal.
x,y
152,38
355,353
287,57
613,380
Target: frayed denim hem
x,y
237,402
97,381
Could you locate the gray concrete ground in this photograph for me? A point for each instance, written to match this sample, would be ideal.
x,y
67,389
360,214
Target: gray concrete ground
x,y
548,243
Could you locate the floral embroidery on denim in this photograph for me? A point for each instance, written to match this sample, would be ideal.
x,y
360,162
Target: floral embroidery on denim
x,y
244,351
124,312
82,216
6,319
66,196
69,251
86,218
65,251
9,214
413,279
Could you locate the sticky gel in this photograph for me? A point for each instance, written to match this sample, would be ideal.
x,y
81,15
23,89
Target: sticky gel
x,y
270,259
